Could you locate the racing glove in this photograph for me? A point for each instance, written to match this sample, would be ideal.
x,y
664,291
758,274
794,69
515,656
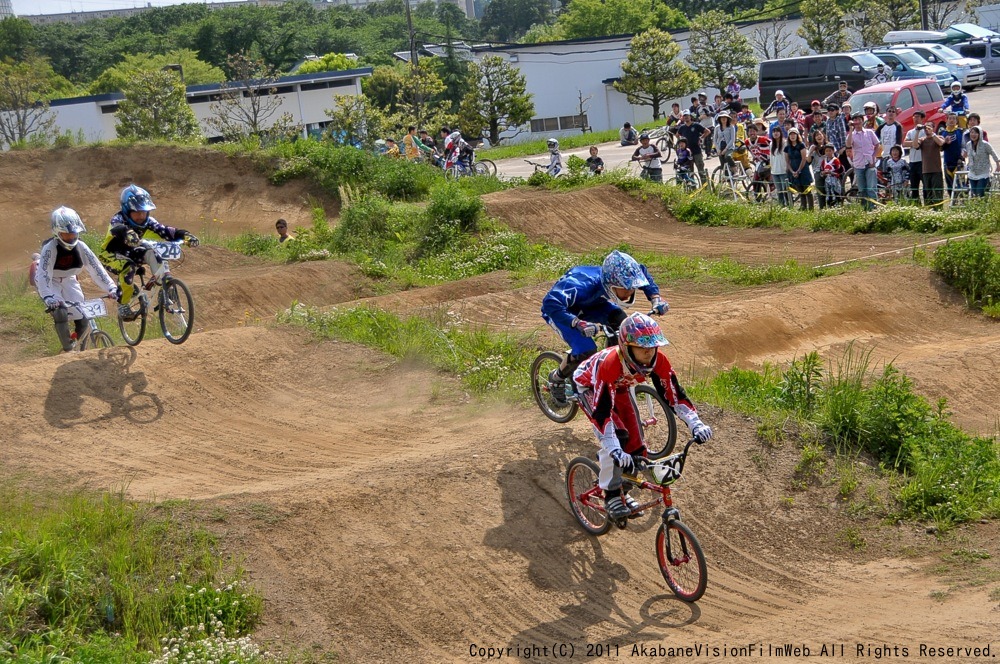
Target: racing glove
x,y
701,432
659,305
588,330
624,461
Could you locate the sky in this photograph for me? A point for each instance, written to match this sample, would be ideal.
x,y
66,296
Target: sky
x,y
26,7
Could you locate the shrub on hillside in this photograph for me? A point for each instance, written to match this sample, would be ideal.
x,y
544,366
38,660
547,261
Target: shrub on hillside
x,y
451,213
364,225
973,267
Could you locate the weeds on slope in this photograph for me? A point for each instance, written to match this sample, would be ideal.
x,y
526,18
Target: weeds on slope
x,y
973,267
855,407
98,578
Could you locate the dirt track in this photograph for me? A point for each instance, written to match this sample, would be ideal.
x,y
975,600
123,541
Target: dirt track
x,y
388,516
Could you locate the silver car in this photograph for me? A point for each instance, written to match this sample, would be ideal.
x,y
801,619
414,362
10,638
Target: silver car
x,y
970,72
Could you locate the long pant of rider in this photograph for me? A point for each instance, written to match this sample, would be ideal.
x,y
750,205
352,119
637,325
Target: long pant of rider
x,y
581,347
625,417
70,291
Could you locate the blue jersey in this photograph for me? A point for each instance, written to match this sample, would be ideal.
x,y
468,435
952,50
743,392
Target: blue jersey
x,y
953,105
580,289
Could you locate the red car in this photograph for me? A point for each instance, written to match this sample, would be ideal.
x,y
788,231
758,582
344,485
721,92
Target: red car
x,y
908,96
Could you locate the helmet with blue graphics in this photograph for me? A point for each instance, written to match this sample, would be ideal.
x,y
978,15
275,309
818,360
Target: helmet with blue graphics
x,y
621,276
136,199
639,331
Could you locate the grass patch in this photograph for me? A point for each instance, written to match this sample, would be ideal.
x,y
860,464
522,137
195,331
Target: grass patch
x,y
98,578
23,316
486,362
529,148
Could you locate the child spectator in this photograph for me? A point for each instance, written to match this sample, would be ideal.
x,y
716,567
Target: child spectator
x,y
595,163
896,172
831,171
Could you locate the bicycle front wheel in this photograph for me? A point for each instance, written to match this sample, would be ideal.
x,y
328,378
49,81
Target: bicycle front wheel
x,y
681,561
656,421
481,169
490,166
555,406
585,497
666,148
133,330
97,339
176,311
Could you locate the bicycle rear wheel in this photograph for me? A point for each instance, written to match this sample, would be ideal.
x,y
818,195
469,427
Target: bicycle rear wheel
x,y
657,421
176,311
556,408
133,330
681,560
480,168
97,339
586,499
666,148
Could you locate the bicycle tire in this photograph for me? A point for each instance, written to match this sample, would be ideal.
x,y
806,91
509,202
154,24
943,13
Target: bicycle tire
x,y
481,169
490,165
681,560
581,477
659,429
180,312
133,331
452,173
666,148
542,390
97,339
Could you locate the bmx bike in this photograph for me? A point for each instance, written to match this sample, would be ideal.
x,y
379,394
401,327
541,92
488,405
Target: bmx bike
x,y
678,551
89,311
164,295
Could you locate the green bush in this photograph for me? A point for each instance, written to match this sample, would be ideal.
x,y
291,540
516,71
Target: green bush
x,y
451,213
364,225
973,267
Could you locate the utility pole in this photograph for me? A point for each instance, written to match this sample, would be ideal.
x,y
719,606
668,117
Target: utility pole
x,y
923,15
413,37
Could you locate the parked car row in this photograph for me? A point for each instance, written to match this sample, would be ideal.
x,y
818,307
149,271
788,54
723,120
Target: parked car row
x,y
972,58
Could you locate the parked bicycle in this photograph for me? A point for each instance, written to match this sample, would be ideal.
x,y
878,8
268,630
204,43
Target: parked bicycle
x,y
663,139
732,182
560,403
164,295
678,551
89,311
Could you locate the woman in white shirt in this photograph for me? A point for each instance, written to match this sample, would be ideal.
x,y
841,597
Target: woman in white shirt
x,y
779,166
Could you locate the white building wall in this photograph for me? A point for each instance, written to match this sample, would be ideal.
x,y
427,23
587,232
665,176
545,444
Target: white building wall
x,y
555,72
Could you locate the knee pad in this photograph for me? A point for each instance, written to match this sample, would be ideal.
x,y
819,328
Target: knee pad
x,y
61,317
60,314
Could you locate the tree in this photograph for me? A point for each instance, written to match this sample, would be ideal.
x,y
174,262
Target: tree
x,y
509,19
355,120
453,70
329,62
421,101
497,99
155,108
195,71
599,18
823,28
248,105
24,113
719,50
653,72
383,86
942,13
873,20
16,35
773,41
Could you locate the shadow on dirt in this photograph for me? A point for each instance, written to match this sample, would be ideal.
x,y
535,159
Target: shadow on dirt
x,y
105,377
539,526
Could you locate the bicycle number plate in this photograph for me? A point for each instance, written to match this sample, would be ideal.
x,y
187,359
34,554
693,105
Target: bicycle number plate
x,y
168,250
94,309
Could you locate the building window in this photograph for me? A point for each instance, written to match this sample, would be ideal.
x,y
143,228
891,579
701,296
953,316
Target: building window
x,y
113,108
544,124
573,121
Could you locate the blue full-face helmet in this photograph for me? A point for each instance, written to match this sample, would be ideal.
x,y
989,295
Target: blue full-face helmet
x,y
136,199
621,271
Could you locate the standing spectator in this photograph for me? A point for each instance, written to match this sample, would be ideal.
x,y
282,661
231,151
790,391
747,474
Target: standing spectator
x,y
916,159
799,174
839,96
725,139
835,132
391,149
627,135
779,165
815,122
795,113
594,163
733,88
974,121
890,133
831,171
282,227
412,145
977,154
779,103
897,173
694,106
428,140
780,123
952,135
745,115
929,142
703,103
693,133
650,154
707,120
865,150
817,144
872,120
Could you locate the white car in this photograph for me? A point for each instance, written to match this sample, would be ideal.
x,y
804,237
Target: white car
x,y
970,72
